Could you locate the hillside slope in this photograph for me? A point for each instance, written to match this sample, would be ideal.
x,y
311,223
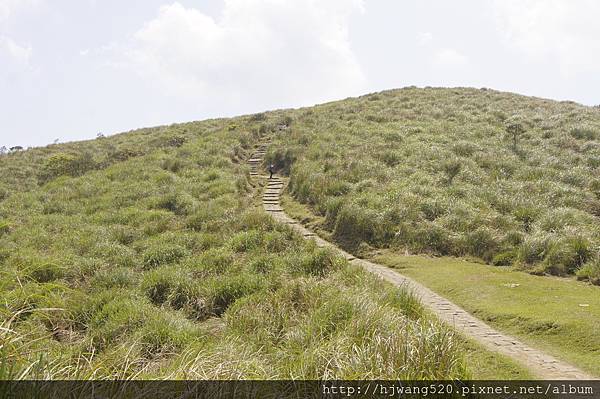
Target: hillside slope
x,y
147,255
437,171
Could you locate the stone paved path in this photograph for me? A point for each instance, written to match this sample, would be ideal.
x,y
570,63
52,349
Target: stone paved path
x,y
539,363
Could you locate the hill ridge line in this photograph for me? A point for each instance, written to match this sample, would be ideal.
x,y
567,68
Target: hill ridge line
x,y
541,364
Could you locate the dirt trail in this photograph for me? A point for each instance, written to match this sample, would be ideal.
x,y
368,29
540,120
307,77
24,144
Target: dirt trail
x,y
542,365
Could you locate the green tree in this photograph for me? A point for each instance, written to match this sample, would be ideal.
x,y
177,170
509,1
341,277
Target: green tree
x,y
452,168
515,131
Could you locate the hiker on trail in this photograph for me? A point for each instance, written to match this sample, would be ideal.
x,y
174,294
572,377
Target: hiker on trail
x,y
271,169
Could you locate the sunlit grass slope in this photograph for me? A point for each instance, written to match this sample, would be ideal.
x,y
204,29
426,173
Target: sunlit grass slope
x,y
145,255
439,171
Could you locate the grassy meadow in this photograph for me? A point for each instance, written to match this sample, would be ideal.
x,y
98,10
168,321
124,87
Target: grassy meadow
x,y
146,255
444,172
557,315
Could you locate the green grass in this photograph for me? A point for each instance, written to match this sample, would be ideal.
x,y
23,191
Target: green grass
x,y
438,171
486,365
147,256
482,363
449,173
544,312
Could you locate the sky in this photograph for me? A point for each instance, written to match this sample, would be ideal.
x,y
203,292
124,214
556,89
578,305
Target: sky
x,y
70,69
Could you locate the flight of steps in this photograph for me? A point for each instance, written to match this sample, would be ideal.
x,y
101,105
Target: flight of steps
x,y
256,160
270,198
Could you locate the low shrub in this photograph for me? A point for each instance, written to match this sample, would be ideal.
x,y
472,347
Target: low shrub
x,y
174,141
451,168
66,164
172,164
590,272
482,243
584,133
464,149
282,159
428,238
258,117
390,158
567,255
533,249
506,258
355,223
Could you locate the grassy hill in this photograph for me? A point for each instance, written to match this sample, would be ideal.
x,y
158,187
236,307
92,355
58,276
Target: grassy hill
x,y
437,171
147,254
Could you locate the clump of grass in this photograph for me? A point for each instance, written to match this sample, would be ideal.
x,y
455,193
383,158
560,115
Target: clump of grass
x,y
247,240
567,256
161,254
318,263
585,133
590,272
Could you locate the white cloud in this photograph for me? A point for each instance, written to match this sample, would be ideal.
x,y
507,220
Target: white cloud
x,y
450,58
562,31
9,7
262,52
14,52
424,38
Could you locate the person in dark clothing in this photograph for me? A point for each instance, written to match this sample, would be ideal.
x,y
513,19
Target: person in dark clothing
x,y
271,169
